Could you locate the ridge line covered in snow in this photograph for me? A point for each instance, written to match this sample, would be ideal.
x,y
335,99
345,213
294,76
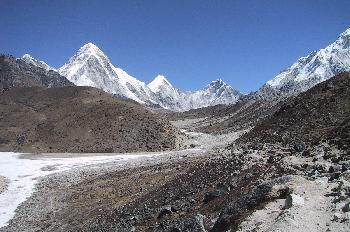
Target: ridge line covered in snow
x,y
314,68
91,67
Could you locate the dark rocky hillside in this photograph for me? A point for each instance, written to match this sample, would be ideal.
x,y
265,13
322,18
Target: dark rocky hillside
x,y
222,119
320,114
78,119
17,73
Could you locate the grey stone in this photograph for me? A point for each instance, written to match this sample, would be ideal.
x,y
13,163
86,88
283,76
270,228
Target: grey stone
x,y
294,200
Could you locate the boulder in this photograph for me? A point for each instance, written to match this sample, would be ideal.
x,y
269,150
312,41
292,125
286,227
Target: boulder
x,y
346,207
165,210
336,217
294,200
212,195
299,147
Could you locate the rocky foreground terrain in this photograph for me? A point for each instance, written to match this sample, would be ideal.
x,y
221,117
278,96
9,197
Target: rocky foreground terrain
x,y
79,119
250,184
318,115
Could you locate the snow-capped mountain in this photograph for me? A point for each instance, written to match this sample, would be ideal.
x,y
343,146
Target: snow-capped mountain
x,y
167,96
91,67
310,70
217,92
41,64
160,84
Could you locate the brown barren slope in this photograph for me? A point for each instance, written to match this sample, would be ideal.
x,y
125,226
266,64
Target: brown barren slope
x,y
78,119
320,114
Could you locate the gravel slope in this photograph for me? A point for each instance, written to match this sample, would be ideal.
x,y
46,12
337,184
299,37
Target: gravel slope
x,y
318,115
79,119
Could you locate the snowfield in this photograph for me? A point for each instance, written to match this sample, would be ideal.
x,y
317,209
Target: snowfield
x,y
22,171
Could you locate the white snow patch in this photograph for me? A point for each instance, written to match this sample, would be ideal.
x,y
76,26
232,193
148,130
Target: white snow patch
x,y
23,174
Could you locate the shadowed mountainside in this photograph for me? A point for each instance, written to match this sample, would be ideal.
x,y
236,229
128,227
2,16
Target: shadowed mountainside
x,y
18,73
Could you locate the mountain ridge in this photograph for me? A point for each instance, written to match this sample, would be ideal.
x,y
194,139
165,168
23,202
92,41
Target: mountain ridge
x,y
18,72
309,70
79,119
41,64
91,67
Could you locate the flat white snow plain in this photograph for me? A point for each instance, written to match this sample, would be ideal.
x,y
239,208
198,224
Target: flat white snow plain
x,y
23,171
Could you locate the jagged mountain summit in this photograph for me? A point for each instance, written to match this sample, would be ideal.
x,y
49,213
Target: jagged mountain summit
x,y
160,83
310,70
91,67
167,96
217,92
38,63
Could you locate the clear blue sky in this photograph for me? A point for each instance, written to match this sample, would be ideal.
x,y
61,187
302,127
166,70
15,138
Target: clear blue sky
x,y
243,42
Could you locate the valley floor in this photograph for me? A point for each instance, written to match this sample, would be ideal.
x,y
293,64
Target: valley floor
x,y
52,177
206,188
20,173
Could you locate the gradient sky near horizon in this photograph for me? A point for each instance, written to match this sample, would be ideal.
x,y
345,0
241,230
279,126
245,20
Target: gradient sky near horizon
x,y
245,43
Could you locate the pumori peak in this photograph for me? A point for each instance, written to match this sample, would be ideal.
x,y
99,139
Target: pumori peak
x,y
92,49
91,67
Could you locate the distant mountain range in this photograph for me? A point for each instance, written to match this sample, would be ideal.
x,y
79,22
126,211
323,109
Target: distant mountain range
x,y
217,92
91,67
